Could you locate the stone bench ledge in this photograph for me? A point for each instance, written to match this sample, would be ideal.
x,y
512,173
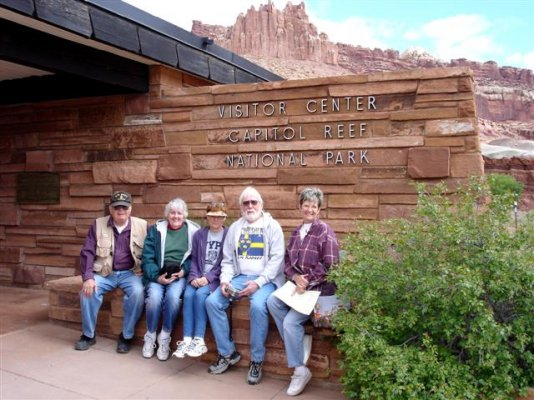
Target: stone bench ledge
x,y
65,309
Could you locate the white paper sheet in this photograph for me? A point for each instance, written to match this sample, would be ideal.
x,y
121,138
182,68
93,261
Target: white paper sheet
x,y
303,302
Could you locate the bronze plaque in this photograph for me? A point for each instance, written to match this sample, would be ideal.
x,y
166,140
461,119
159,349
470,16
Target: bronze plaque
x,y
37,188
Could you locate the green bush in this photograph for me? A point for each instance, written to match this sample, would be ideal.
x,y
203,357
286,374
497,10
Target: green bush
x,y
500,184
442,303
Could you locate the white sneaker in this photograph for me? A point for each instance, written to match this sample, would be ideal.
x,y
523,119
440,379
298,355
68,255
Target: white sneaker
x,y
149,346
164,348
307,347
196,348
298,383
181,348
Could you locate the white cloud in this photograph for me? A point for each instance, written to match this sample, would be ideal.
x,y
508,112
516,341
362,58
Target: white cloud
x,y
356,31
215,12
412,35
461,36
522,60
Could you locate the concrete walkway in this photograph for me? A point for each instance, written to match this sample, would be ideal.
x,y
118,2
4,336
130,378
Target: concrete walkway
x,y
37,361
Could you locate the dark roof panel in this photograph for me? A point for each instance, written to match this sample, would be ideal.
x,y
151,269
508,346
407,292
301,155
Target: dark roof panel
x,y
245,77
124,27
219,71
149,21
193,61
164,28
22,6
67,14
114,31
219,52
158,47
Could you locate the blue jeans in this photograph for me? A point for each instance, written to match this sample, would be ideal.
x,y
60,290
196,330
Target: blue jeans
x,y
290,324
195,314
216,305
166,297
134,296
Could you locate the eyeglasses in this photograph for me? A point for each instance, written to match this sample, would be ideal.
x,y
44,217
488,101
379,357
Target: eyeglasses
x,y
120,207
247,203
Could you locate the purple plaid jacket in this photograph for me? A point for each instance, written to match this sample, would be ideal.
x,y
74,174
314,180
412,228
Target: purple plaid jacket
x,y
313,256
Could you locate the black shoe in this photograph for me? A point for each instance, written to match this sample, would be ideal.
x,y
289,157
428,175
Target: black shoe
x,y
254,372
223,363
123,345
84,343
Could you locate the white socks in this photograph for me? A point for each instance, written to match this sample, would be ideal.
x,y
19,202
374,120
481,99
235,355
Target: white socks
x,y
300,370
200,340
163,335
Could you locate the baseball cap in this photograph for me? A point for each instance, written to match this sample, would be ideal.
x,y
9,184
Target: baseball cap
x,y
216,210
121,199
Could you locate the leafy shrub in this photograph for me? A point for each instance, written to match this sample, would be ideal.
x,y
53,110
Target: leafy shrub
x,y
500,184
442,303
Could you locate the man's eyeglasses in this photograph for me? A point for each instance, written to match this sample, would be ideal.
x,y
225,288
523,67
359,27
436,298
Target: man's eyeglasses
x,y
247,203
120,207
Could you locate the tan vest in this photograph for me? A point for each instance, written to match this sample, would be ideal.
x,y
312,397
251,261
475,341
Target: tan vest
x,y
105,242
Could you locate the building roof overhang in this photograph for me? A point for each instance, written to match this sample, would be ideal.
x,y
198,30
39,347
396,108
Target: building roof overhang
x,y
58,49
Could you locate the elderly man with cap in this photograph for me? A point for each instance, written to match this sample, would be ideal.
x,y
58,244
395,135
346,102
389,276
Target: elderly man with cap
x,y
203,279
110,259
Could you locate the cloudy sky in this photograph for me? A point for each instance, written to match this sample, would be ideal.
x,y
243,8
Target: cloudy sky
x,y
479,30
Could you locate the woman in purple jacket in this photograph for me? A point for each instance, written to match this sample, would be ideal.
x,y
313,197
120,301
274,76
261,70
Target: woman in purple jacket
x,y
311,252
203,279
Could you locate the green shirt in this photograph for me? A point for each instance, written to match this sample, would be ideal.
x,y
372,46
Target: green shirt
x,y
176,244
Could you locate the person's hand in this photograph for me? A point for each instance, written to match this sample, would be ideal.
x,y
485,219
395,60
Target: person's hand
x,y
249,289
88,287
199,282
223,286
299,290
165,281
301,282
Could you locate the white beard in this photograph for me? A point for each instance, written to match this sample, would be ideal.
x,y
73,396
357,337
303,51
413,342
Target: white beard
x,y
252,217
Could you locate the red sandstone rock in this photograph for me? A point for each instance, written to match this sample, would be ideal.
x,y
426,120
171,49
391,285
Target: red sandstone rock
x,y
292,47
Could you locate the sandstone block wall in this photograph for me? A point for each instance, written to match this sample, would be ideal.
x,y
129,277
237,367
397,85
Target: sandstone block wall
x,y
363,139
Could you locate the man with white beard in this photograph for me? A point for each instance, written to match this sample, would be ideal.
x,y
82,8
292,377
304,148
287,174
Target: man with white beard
x,y
252,266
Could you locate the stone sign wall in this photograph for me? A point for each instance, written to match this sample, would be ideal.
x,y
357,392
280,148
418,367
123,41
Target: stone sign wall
x,y
363,140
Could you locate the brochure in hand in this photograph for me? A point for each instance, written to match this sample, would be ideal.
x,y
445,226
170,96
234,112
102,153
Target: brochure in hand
x,y
301,302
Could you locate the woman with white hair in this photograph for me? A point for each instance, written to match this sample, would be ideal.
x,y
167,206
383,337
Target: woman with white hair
x,y
165,264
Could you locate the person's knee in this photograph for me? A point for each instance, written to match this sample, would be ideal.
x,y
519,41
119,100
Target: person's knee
x,y
216,303
138,291
189,295
154,298
289,325
211,303
272,303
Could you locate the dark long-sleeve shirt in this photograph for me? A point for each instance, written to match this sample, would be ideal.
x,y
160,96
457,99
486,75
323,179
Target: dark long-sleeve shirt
x,y
122,256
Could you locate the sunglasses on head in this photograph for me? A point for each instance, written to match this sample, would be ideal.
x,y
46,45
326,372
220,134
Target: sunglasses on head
x,y
247,203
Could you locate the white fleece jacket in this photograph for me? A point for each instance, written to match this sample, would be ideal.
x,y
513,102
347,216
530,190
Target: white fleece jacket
x,y
273,259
